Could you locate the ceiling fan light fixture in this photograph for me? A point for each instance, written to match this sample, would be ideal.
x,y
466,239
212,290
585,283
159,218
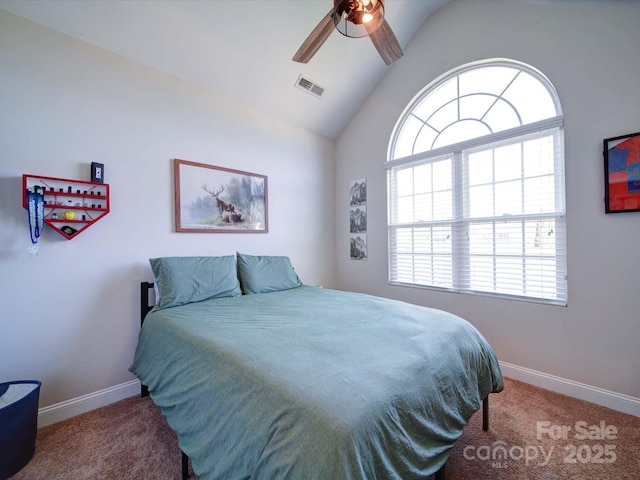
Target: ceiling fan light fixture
x,y
353,18
358,18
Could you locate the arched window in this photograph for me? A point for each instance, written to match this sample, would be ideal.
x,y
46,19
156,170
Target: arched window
x,y
476,185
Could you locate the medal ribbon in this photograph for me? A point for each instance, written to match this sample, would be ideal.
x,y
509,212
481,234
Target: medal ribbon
x,y
35,209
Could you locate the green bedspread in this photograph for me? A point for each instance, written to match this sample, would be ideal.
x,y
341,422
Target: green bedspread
x,y
312,383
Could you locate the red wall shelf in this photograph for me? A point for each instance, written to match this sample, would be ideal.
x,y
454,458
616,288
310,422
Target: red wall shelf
x,y
71,206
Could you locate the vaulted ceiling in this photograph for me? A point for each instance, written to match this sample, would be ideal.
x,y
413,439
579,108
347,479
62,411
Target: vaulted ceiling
x,y
239,49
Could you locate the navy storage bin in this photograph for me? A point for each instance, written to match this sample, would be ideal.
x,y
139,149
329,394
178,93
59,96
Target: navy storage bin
x,y
18,424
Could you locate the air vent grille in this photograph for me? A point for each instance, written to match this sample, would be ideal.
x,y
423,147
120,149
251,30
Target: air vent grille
x,y
309,86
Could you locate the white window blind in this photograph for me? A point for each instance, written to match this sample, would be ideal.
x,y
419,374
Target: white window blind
x,y
485,214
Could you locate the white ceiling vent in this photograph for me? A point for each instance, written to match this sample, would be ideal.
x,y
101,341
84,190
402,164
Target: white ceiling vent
x,y
309,86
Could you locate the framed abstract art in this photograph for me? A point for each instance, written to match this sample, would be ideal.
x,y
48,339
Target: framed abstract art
x,y
622,173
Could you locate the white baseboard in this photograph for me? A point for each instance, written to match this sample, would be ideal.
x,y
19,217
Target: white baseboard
x,y
616,401
600,396
76,406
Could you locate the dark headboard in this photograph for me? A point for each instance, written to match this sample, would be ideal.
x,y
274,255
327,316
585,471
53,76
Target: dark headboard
x,y
145,307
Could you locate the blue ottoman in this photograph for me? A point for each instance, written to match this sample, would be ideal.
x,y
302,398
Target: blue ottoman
x,y
18,424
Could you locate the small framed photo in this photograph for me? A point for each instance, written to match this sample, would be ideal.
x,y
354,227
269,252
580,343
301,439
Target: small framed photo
x,y
622,173
97,172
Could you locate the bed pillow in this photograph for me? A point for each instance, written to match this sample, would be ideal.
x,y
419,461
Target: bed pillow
x,y
182,280
263,274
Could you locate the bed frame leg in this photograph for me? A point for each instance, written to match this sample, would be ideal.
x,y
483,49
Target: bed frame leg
x,y
185,465
485,413
440,473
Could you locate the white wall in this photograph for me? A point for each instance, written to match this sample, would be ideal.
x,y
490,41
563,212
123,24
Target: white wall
x,y
589,51
69,317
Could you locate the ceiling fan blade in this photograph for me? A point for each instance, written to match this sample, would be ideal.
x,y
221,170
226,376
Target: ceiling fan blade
x,y
386,43
315,39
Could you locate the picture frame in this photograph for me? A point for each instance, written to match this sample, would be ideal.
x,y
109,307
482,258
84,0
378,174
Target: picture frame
x,y
212,199
358,219
622,173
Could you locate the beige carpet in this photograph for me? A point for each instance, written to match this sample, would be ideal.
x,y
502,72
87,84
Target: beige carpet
x,y
130,439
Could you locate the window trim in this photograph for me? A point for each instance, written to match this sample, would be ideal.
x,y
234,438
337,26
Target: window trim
x,y
456,153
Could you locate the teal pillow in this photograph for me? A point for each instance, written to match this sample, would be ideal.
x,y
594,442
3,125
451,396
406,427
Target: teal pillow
x,y
182,280
263,274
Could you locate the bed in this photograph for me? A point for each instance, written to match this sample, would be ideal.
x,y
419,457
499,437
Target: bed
x,y
273,379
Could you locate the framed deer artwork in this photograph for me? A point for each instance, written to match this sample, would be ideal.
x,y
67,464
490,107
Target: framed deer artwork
x,y
211,199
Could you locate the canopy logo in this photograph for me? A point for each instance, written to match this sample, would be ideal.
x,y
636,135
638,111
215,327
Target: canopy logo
x,y
499,453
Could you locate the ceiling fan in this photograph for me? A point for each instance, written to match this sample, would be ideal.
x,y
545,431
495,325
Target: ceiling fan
x,y
353,18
